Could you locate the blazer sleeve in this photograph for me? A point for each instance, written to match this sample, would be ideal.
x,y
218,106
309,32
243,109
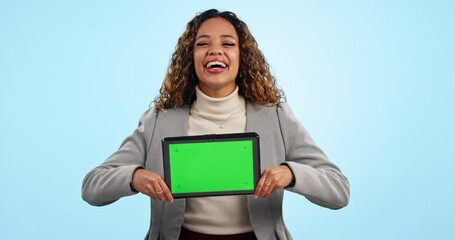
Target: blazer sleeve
x,y
316,178
111,180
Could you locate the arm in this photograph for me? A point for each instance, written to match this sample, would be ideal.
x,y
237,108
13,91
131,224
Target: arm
x,y
315,177
111,180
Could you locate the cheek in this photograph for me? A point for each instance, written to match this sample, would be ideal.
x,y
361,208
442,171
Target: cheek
x,y
196,57
235,56
197,60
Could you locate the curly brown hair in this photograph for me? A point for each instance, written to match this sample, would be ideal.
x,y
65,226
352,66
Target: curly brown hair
x,y
256,83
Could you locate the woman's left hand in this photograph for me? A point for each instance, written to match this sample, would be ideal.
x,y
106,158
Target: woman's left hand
x,y
273,179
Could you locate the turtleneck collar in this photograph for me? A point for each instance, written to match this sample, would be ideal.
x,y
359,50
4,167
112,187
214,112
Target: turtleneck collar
x,y
218,106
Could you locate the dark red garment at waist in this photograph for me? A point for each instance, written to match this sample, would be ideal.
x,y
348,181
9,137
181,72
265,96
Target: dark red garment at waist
x,y
186,234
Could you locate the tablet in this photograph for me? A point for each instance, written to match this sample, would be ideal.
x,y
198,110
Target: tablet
x,y
211,165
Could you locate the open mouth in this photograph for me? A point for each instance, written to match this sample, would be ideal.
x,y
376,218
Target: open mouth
x,y
215,65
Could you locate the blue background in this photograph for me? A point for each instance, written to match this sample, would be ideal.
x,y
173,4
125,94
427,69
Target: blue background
x,y
372,81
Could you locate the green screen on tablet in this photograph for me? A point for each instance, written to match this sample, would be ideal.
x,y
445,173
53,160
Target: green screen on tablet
x,y
211,165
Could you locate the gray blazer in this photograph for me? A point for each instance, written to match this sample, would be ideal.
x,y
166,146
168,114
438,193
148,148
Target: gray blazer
x,y
283,140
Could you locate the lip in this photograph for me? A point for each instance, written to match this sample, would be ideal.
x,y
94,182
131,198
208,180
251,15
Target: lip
x,y
215,70
215,60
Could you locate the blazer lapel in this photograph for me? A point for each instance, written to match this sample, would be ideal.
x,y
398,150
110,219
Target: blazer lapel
x,y
261,119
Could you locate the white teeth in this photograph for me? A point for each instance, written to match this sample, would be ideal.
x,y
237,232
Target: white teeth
x,y
210,64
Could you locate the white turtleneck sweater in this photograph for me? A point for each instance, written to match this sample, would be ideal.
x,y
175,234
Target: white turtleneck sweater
x,y
222,214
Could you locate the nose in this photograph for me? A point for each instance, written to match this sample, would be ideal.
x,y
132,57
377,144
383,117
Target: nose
x,y
215,51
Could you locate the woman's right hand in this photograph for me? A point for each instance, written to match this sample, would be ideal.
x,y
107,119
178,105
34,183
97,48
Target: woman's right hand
x,y
151,184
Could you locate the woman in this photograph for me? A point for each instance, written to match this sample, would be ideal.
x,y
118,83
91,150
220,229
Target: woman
x,y
219,82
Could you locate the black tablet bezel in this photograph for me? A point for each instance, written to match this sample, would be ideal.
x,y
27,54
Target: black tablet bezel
x,y
252,136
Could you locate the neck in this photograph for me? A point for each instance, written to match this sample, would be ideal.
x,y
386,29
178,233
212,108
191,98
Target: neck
x,y
218,93
218,106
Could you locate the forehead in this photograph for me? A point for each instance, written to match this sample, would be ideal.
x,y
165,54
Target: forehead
x,y
216,27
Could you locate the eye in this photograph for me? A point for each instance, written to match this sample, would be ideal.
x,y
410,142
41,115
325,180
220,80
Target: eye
x,y
200,44
229,44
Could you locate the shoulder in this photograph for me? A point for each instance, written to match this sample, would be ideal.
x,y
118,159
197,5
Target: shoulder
x,y
165,116
282,108
149,113
169,118
153,113
259,107
284,105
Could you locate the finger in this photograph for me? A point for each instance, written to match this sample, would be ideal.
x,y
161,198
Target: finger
x,y
265,187
268,187
268,174
271,191
277,184
272,182
260,185
150,192
166,191
159,191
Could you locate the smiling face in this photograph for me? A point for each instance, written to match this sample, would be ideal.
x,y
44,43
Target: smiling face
x,y
216,57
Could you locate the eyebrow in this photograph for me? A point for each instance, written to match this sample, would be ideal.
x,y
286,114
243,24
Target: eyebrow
x,y
223,36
